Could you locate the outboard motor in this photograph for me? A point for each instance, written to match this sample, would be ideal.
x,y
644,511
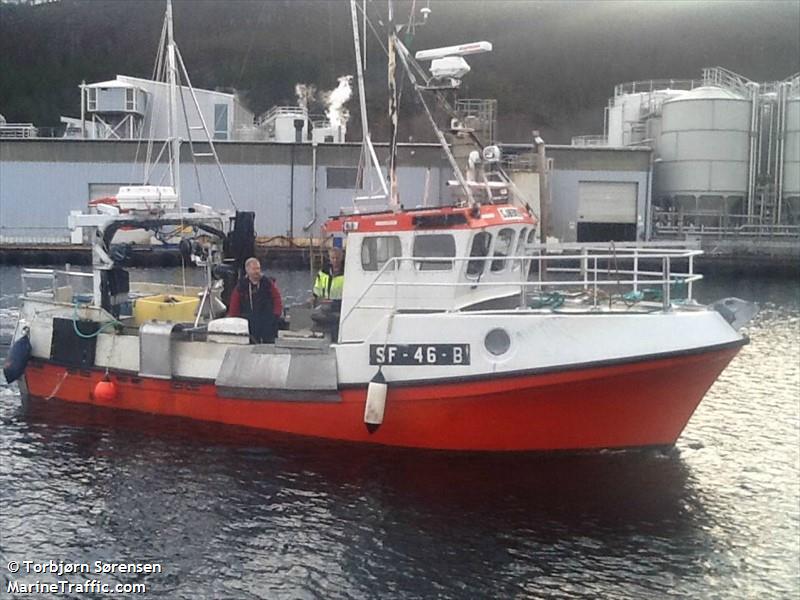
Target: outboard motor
x,y
736,311
240,243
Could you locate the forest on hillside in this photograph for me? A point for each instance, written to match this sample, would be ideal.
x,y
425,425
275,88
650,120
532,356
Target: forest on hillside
x,y
553,67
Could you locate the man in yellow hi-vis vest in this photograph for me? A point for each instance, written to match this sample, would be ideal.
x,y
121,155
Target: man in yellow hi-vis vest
x,y
328,294
330,279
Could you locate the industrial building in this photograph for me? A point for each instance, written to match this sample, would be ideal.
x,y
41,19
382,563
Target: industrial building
x,y
726,151
595,193
677,160
130,108
294,124
291,187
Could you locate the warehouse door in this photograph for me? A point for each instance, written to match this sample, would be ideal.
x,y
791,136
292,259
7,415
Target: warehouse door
x,y
607,211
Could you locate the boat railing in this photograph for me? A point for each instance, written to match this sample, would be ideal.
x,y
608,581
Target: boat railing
x,y
596,273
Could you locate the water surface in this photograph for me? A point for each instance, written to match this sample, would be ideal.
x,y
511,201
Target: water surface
x,y
236,514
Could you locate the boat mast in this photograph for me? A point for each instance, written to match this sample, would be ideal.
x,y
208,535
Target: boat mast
x,y
405,60
394,200
172,81
371,159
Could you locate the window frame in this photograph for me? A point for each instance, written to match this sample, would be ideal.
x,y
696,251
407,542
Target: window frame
x,y
433,265
378,265
522,242
91,99
481,263
220,134
498,265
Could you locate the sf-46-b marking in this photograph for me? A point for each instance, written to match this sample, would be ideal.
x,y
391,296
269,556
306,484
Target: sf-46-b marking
x,y
419,354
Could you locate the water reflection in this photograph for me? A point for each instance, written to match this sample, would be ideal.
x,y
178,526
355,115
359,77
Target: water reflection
x,y
159,487
644,490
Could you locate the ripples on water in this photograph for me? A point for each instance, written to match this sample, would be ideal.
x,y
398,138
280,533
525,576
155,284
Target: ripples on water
x,y
236,514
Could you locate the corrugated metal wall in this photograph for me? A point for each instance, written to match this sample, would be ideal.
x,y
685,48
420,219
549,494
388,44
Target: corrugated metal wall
x,y
38,187
42,180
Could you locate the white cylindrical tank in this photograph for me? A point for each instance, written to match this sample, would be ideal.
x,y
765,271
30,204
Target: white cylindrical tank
x,y
791,158
623,115
629,116
615,125
653,121
703,148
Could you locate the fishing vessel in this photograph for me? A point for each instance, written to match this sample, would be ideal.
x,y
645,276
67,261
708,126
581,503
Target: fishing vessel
x,y
458,329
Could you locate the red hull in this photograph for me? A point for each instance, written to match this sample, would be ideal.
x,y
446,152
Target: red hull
x,y
642,403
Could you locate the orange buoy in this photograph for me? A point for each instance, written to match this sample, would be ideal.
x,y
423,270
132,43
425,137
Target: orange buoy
x,y
105,390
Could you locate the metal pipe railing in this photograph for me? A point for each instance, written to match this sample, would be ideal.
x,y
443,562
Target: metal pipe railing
x,y
50,275
591,267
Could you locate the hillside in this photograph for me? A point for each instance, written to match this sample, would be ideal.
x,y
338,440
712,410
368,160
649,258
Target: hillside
x,y
554,64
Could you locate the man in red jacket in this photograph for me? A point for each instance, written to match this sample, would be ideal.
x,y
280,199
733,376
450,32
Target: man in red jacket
x,y
257,299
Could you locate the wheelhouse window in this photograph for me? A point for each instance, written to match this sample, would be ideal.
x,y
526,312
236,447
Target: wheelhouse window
x,y
481,242
130,99
376,251
434,246
502,248
520,251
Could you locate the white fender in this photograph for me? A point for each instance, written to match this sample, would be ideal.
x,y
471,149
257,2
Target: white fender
x,y
376,402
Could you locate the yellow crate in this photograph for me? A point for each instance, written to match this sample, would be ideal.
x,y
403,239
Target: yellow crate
x,y
165,307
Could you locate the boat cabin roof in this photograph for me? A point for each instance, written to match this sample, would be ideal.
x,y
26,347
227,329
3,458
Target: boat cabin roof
x,y
440,217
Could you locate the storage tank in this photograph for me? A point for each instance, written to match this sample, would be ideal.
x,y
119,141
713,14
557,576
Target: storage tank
x,y
791,159
703,152
623,112
653,122
630,114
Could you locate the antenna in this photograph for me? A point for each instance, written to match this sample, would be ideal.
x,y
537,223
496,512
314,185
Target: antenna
x,y
460,50
394,43
447,63
405,59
